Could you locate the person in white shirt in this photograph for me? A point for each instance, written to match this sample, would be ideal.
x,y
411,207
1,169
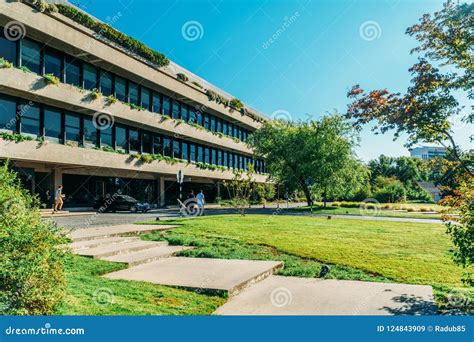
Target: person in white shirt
x,y
200,202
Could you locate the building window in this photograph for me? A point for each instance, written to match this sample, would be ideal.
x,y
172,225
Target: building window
x,y
236,161
192,152
31,55
146,142
226,159
218,125
219,158
231,160
133,93
199,118
90,76
236,133
30,118
120,89
200,154
166,105
90,132
224,128
176,149
106,83
166,147
53,63
145,98
192,116
175,109
184,113
72,72
213,123
207,155
106,137
207,123
184,151
214,157
156,102
8,48
72,127
134,139
121,142
7,113
52,124
157,144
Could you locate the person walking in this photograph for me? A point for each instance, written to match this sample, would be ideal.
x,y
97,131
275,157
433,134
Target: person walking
x,y
58,199
200,202
191,195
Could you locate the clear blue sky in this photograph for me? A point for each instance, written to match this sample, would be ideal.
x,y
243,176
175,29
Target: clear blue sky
x,y
325,48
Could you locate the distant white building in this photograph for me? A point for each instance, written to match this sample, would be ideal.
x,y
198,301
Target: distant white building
x,y
428,152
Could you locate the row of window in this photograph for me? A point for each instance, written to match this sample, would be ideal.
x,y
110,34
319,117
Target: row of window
x,y
44,60
61,126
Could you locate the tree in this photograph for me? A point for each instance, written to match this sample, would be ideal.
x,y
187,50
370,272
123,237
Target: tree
x,y
241,188
302,155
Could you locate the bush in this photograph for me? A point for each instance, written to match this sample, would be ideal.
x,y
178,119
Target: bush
x,y
32,264
391,193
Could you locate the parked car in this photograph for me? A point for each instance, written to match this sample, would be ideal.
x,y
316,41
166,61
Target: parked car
x,y
120,203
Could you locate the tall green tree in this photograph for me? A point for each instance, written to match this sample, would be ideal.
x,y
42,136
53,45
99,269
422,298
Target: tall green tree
x,y
307,155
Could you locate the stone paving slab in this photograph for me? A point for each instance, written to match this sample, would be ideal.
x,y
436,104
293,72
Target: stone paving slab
x,y
279,295
210,275
147,255
118,230
118,248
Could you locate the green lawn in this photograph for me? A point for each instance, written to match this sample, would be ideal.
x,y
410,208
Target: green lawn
x,y
358,212
416,253
89,294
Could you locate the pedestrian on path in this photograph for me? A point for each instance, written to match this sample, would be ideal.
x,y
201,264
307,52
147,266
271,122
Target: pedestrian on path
x,y
200,202
58,199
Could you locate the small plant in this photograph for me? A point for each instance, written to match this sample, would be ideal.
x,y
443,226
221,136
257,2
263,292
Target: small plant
x,y
178,122
51,79
41,5
52,8
146,158
111,99
16,137
70,143
95,94
4,64
182,77
197,84
236,103
134,106
25,69
108,149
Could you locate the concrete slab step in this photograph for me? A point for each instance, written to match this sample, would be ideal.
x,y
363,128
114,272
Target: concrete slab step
x,y
83,244
118,248
117,230
147,255
277,295
202,274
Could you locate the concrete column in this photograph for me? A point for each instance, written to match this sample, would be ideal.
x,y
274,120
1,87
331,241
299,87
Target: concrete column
x,y
57,178
218,184
162,191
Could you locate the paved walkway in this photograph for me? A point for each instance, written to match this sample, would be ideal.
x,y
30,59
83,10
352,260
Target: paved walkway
x,y
253,288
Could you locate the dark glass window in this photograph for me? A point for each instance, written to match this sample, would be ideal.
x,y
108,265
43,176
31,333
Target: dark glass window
x,y
225,161
52,124
200,154
213,123
7,48
175,109
214,157
192,115
120,89
199,118
241,136
90,132
73,72
31,55
219,158
219,125
157,144
72,127
192,152
53,63
133,93
30,118
166,146
7,113
90,76
207,156
121,138
145,98
156,102
134,139
231,160
244,163
176,149
224,128
106,137
166,105
241,162
207,124
146,142
236,161
184,150
235,134
184,112
106,83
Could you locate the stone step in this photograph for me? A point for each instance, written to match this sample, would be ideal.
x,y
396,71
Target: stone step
x,y
117,230
79,245
118,248
147,255
221,276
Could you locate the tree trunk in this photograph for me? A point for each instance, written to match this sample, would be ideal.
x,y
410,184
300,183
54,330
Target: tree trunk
x,y
307,194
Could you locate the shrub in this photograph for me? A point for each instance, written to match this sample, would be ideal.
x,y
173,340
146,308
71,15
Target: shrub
x,y
95,94
236,103
51,79
111,99
391,193
32,264
4,64
182,77
197,84
336,204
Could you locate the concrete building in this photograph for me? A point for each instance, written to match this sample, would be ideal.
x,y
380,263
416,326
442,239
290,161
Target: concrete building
x,y
115,120
428,152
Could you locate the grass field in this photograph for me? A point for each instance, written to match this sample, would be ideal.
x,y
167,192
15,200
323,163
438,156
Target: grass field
x,y
89,294
415,253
